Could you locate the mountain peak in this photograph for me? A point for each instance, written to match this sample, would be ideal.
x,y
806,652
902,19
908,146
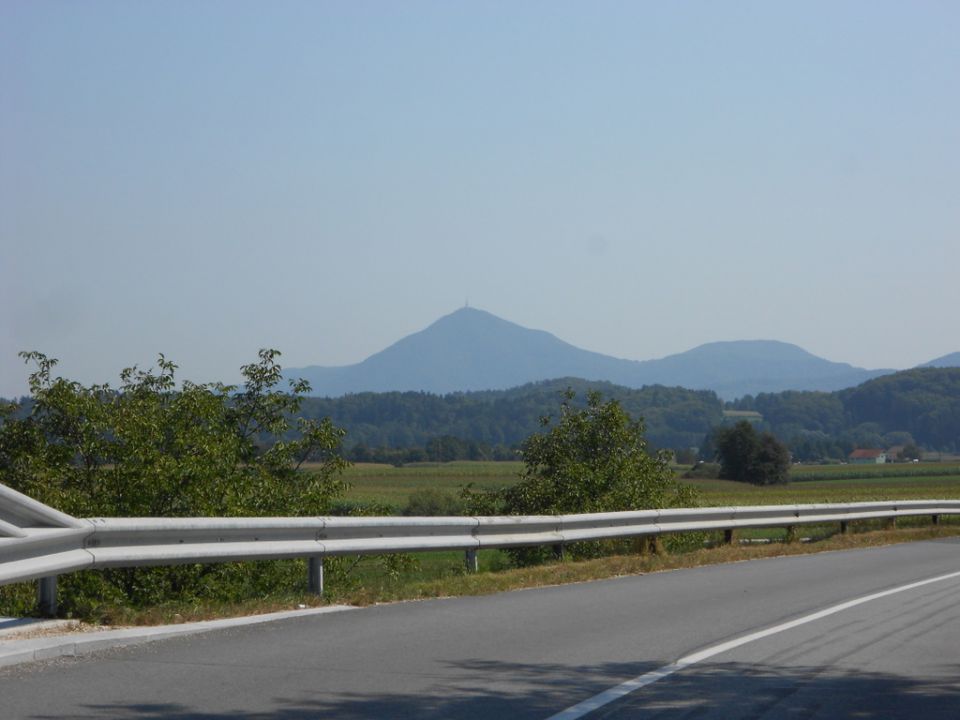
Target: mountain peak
x,y
472,349
467,314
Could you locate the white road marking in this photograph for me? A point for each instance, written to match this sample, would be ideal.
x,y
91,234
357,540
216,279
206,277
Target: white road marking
x,y
615,693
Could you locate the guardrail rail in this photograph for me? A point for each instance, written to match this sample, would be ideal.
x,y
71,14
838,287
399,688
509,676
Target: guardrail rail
x,y
39,542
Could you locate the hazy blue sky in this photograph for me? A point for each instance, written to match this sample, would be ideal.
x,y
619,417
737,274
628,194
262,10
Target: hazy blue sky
x,y
204,179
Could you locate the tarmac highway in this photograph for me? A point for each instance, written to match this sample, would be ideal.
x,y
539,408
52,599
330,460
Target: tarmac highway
x,y
871,633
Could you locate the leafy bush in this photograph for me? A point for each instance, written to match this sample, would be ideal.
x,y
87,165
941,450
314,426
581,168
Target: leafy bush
x,y
593,459
149,448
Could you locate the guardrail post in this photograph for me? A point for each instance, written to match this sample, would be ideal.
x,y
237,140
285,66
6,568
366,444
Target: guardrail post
x,y
791,534
892,524
729,536
935,519
47,596
471,561
315,575
558,552
844,527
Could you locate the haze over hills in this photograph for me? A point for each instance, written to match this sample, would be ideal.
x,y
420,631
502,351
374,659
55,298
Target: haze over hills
x,y
471,349
946,361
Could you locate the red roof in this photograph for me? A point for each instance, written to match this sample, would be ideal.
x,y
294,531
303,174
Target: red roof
x,y
865,454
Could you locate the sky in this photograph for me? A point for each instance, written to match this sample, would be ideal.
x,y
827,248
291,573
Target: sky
x,y
205,179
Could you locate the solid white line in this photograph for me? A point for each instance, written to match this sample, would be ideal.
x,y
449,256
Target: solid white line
x,y
608,696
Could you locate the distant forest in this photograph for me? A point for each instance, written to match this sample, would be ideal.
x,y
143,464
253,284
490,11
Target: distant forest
x,y
915,407
919,407
412,426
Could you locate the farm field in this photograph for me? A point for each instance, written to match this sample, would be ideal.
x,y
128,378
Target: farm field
x,y
392,486
389,485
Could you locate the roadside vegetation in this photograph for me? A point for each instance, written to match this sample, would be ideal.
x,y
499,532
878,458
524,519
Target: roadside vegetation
x,y
153,448
443,574
440,575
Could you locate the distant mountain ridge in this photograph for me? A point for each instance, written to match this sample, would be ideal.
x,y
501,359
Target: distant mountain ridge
x,y
946,361
471,349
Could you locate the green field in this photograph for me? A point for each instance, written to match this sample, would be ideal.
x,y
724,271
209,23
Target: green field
x,y
392,486
389,485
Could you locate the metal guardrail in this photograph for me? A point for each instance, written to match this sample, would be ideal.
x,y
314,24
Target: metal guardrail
x,y
37,541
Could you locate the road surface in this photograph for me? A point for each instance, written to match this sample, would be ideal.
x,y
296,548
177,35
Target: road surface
x,y
539,653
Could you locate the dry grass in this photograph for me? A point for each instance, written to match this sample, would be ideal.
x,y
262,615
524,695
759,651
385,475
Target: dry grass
x,y
584,571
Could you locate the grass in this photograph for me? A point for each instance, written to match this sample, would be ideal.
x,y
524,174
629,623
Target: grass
x,y
621,565
442,574
392,486
832,490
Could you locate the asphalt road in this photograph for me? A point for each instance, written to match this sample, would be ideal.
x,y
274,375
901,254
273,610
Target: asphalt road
x,y
535,653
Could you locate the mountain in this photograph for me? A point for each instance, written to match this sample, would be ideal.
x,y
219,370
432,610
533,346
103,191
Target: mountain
x,y
947,361
471,350
748,367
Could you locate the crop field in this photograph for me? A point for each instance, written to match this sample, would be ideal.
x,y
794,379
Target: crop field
x,y
392,486
725,492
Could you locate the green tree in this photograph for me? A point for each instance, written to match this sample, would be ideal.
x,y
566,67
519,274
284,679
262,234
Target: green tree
x,y
746,456
592,459
149,448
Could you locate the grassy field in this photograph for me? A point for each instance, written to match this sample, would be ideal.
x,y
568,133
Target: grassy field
x,y
726,492
392,486
389,485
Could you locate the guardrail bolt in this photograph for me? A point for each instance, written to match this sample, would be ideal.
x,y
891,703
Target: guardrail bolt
x,y
471,561
315,575
47,596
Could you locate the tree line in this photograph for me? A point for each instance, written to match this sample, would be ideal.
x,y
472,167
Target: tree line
x,y
914,407
492,424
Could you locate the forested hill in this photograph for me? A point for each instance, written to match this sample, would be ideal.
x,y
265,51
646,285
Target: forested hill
x,y
674,417
924,402
919,406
